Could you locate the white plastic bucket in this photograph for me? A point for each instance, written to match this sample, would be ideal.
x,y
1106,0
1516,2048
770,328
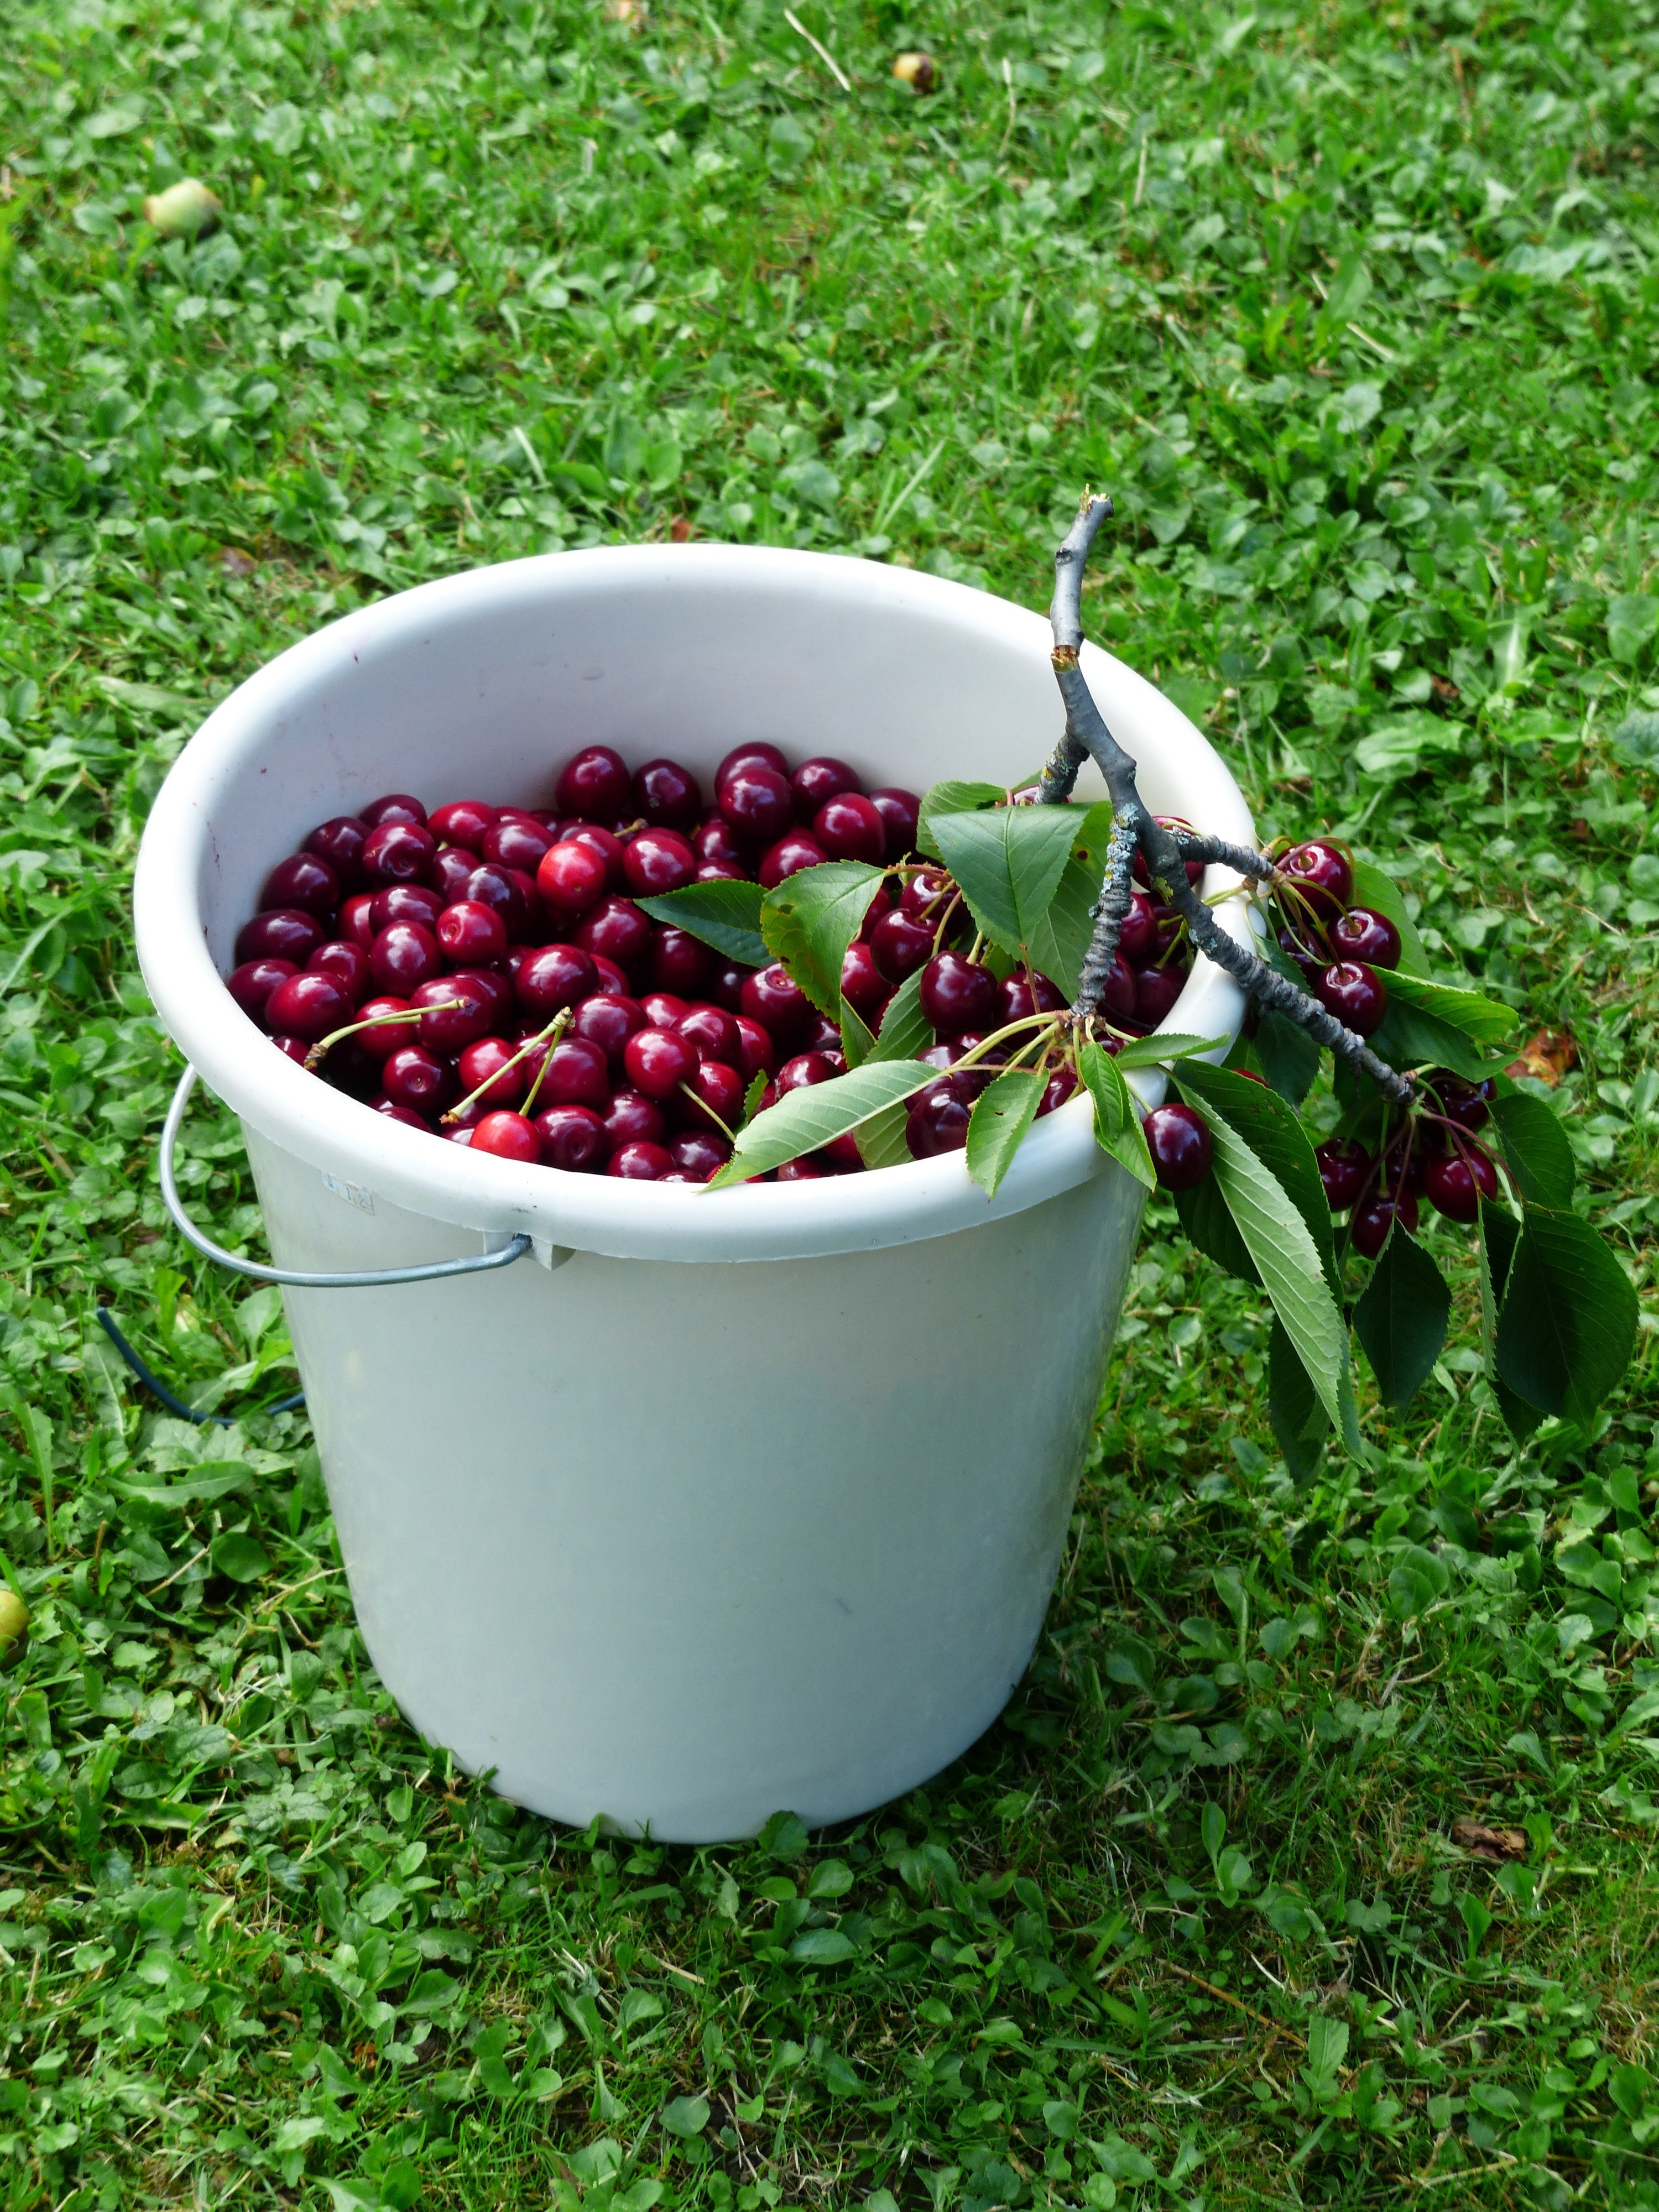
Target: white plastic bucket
x,y
648,1529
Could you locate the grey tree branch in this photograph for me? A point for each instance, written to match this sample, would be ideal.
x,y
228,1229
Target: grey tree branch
x,y
1134,829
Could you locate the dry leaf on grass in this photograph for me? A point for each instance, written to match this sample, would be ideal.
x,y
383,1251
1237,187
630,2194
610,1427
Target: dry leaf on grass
x,y
1484,1842
1546,1055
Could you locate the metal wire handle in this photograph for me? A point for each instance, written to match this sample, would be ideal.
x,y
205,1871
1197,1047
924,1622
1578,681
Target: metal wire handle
x,y
374,1279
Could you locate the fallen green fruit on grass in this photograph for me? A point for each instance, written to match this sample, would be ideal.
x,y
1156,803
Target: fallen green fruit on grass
x,y
13,1617
183,210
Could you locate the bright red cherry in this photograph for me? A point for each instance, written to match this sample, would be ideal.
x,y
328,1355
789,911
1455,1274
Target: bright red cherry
x,y
900,812
958,994
594,785
384,1105
491,1060
639,1162
900,943
356,919
571,877
462,822
608,1021
750,756
404,955
758,803
714,1033
381,1043
1455,1183
863,986
251,984
405,902
304,881
508,1137
1178,1139
396,807
1344,1169
605,842
1365,935
849,827
657,1062
720,1089
417,1078
513,842
616,928
679,962
927,895
471,933
760,1054
788,857
1354,994
558,975
460,1009
609,978
1323,875
632,1119
819,779
1157,990
664,1010
293,1047
339,841
1369,1229
285,933
577,1074
495,887
575,1139
397,853
772,998
348,964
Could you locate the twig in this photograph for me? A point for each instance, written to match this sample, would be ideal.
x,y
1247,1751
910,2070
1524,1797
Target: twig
x,y
823,52
1262,2019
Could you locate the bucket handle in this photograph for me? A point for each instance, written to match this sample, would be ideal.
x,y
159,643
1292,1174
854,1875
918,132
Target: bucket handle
x,y
375,1279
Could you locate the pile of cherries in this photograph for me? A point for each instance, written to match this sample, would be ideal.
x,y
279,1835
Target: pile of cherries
x,y
480,924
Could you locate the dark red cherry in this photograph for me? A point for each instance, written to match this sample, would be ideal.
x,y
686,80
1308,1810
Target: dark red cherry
x,y
405,902
759,1054
1058,1089
397,853
1455,1183
495,887
700,1152
251,984
348,964
471,933
1194,868
927,895
594,785
608,1021
491,1061
822,1036
725,982
714,839
804,1070
1157,990
664,1010
900,943
849,827
508,1137
558,975
380,1044
608,846
788,857
756,803
772,998
616,928
721,871
609,978
1178,1139
1323,875
577,1073
383,1105
461,1009
339,841
286,933
462,822
720,1089
1354,993
303,880
573,1139
293,1047
396,807
404,955
958,994
1369,1229
1363,934
900,812
451,869
632,1119
417,1078
1466,1103
639,1162
937,1121
821,778
1344,1169
513,842
679,962
807,1169
714,1033
1135,938
1022,994
1300,946
571,877
657,1062
667,795
755,756
863,986
356,921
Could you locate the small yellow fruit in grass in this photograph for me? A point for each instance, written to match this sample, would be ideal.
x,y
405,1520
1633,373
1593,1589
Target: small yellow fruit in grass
x,y
185,210
919,71
14,1616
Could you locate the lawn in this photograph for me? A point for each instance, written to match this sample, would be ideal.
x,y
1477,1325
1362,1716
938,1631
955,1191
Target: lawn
x,y
1353,309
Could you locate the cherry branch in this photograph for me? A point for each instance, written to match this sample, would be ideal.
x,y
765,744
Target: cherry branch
x,y
1165,851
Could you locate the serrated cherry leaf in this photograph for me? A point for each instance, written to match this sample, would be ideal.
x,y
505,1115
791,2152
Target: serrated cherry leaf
x,y
1007,863
1535,1148
1002,1114
808,920
1400,1320
727,915
1154,1051
1382,895
1117,1125
803,1120
1568,1323
905,1030
951,796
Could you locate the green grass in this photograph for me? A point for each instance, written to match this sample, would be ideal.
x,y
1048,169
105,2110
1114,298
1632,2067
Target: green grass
x,y
1354,310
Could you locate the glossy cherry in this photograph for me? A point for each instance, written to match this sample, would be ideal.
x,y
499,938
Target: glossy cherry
x,y
1323,875
863,986
958,994
394,806
384,1106
1369,1229
577,1073
849,827
379,1043
700,1152
608,1021
1135,938
717,1087
339,841
1363,934
759,1054
1344,1169
900,943
900,812
679,962
667,794
451,867
1301,947
664,1010
937,1120
287,933
632,1119
305,881
348,964
774,999
1023,993
1466,1103
714,839
460,1009
558,975
758,754
405,902
404,955
821,778
804,1070
595,786
251,984
1354,994
417,1078
513,842
573,1139
491,1060
508,1137
462,822
788,857
755,802
1178,1139
1157,990
397,853
1195,869
714,1033
571,877
293,1047
1058,1089
1120,994
639,1162
1455,1183
616,928
657,1062
471,933
927,895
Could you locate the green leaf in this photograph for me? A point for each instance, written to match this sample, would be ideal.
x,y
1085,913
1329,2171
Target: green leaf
x,y
1060,943
1568,1323
1154,1051
809,920
1382,894
1401,1318
239,1557
727,915
1002,1114
856,1039
210,1478
1007,863
1499,1234
1274,1133
823,1946
803,1120
1117,1125
952,796
1535,1147
1300,1423
1349,289
1482,1020
686,2116
752,1097
905,1030
1430,1022
1289,1056
1211,1228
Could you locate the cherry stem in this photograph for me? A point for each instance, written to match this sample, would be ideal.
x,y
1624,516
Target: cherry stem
x,y
704,1107
549,1036
319,1051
